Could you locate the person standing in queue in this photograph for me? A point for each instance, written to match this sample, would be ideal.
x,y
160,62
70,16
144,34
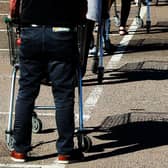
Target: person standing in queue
x,y
48,44
98,12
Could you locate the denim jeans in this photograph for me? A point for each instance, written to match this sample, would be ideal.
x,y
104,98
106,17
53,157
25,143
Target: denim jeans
x,y
44,51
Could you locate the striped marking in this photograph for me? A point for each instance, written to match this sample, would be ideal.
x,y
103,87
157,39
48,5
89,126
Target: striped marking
x,y
54,165
4,1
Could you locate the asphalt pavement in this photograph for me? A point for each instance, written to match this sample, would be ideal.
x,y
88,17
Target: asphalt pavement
x,y
125,117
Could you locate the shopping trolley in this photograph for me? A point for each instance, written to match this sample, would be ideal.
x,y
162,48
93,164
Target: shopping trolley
x,y
13,33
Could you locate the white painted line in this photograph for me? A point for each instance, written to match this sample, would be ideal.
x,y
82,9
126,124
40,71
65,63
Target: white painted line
x,y
4,49
54,165
91,101
3,14
4,1
3,30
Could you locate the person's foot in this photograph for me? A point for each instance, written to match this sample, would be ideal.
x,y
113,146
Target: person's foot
x,y
122,31
144,2
108,47
74,156
92,51
18,157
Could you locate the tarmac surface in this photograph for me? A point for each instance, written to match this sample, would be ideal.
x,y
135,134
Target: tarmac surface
x,y
126,115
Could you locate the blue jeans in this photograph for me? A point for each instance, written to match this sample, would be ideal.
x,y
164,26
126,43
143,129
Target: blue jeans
x,y
42,52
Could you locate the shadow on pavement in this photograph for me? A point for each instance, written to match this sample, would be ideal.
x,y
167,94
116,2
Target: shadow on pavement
x,y
144,45
129,133
42,157
131,72
159,27
122,134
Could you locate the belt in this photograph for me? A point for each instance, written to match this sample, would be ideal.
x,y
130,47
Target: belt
x,y
54,28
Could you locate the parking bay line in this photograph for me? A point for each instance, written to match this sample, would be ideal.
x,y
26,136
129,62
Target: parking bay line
x,y
54,165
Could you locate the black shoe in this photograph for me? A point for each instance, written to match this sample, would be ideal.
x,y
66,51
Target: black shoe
x,y
109,48
95,65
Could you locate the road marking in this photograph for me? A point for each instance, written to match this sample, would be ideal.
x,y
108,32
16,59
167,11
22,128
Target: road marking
x,y
4,1
2,50
54,165
90,103
3,30
3,14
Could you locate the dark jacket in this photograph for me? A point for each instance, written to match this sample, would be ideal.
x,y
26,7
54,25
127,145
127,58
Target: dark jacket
x,y
51,12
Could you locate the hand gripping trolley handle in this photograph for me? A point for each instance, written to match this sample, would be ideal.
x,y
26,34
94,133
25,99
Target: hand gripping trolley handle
x,y
13,32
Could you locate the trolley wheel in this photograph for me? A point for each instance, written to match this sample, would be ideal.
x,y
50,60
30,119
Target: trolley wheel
x,y
116,20
36,125
100,74
84,143
139,22
10,142
148,25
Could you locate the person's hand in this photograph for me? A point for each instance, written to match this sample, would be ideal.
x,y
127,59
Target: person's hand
x,y
83,9
14,9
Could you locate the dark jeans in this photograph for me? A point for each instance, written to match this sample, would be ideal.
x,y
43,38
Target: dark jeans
x,y
125,10
42,52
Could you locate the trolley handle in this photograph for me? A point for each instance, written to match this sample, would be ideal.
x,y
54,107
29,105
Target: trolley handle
x,y
7,20
14,40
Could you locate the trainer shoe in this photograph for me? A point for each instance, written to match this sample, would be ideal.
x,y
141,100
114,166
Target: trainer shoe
x,y
74,156
92,51
18,157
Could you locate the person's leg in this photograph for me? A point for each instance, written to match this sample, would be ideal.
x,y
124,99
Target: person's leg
x,y
89,39
62,75
108,46
125,10
29,85
62,68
